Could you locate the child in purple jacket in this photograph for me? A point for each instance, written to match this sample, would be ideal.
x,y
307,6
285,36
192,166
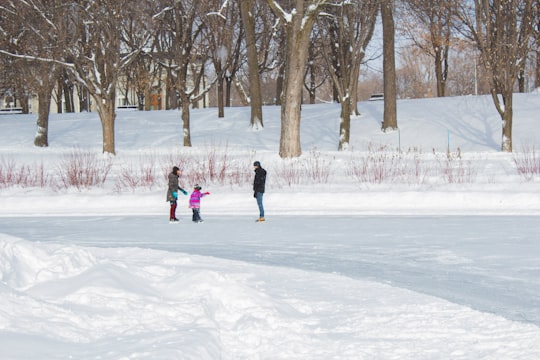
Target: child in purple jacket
x,y
195,203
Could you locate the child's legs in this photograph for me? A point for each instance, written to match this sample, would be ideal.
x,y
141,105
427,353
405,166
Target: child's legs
x,y
196,215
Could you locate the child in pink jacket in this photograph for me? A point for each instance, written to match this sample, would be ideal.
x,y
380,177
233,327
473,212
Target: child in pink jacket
x,y
195,203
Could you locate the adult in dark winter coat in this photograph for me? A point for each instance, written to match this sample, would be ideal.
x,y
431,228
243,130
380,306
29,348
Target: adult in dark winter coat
x,y
259,183
172,192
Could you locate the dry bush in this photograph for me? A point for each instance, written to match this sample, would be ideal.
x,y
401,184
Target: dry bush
x,y
84,169
313,168
12,174
527,163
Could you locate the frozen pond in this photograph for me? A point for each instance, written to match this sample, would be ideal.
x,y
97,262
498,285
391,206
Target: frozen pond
x,y
489,263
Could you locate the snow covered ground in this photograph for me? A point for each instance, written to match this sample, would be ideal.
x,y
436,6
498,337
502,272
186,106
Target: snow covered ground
x,y
441,262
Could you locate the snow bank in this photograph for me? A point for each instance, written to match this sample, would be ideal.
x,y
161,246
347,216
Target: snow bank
x,y
134,303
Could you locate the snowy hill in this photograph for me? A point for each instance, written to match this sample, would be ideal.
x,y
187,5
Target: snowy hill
x,y
413,161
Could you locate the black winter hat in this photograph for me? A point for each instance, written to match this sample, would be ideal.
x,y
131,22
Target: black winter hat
x,y
175,169
197,187
256,163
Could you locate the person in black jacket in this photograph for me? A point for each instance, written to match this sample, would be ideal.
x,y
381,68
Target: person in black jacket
x,y
258,187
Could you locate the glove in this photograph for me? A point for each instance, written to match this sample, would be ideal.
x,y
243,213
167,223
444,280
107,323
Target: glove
x,y
255,194
183,191
175,195
207,193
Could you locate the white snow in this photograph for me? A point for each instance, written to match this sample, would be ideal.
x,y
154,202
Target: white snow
x,y
439,258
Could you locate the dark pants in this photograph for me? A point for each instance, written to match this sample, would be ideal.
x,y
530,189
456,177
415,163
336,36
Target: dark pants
x,y
172,213
196,215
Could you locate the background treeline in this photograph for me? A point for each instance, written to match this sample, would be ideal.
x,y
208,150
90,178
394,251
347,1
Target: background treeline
x,y
256,52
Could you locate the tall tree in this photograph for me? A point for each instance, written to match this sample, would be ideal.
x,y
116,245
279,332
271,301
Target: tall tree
x,y
347,34
298,24
316,74
99,56
430,27
39,34
389,66
141,75
180,31
223,37
65,93
247,11
501,30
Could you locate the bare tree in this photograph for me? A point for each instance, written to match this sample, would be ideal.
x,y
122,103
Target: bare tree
x,y
65,96
141,75
179,31
247,11
298,23
389,66
39,35
415,77
17,88
347,34
268,44
99,56
316,71
44,93
430,28
9,69
501,30
223,36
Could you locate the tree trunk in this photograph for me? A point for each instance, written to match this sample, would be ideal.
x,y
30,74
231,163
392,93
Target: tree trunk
x,y
279,84
23,102
255,93
298,31
241,92
505,110
289,145
389,67
507,130
69,101
521,80
507,116
228,88
107,115
297,48
281,69
60,95
171,95
220,94
345,124
354,90
44,104
439,73
311,88
185,121
537,79
84,100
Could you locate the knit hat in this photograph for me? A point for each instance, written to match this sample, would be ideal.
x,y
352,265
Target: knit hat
x,y
175,169
256,163
197,187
